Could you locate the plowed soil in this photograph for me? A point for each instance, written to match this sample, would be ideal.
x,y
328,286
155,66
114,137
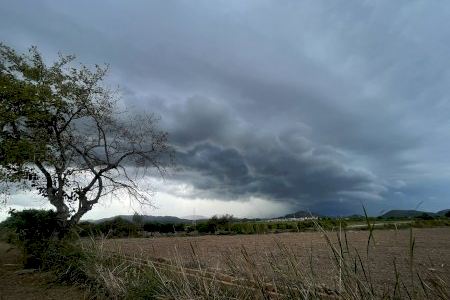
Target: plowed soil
x,y
430,255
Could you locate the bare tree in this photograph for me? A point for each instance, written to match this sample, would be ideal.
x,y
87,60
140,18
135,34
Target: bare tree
x,y
62,133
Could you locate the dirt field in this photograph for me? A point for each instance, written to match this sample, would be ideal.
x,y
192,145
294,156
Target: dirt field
x,y
18,284
431,251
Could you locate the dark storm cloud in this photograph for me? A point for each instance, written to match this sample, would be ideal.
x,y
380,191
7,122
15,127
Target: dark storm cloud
x,y
238,160
315,104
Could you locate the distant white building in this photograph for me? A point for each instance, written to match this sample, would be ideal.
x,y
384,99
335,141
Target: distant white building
x,y
300,219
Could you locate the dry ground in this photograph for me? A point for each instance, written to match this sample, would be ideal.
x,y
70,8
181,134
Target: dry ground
x,y
431,250
17,284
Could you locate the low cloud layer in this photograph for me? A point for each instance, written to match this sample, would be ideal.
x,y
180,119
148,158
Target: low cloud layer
x,y
309,104
233,160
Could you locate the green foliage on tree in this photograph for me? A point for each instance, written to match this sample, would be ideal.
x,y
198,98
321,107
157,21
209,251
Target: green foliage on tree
x,y
62,134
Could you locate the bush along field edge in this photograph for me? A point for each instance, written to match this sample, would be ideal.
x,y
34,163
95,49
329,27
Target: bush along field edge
x,y
108,275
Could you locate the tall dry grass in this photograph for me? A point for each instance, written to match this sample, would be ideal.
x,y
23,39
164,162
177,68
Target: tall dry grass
x,y
277,274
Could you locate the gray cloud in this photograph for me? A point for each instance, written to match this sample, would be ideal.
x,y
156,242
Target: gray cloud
x,y
233,160
315,104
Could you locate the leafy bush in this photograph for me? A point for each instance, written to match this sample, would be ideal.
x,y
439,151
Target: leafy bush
x,y
34,229
117,227
65,259
206,227
425,216
305,225
333,223
163,227
152,227
216,223
87,229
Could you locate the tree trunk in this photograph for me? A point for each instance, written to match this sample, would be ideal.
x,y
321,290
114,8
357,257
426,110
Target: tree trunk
x,y
62,216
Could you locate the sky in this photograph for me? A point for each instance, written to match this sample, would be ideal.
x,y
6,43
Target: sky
x,y
272,106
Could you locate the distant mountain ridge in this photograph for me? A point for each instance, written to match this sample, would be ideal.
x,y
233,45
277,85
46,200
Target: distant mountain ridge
x,y
395,213
195,217
399,213
145,218
443,212
300,214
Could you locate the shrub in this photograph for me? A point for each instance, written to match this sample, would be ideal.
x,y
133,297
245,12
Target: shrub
x,y
167,228
151,227
206,227
179,227
261,228
425,216
118,227
65,258
34,230
305,225
86,229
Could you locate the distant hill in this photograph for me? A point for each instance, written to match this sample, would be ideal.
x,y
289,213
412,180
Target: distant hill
x,y
398,213
195,217
300,214
156,219
443,212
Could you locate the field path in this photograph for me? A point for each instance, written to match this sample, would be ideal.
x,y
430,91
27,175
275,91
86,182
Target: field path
x,y
16,283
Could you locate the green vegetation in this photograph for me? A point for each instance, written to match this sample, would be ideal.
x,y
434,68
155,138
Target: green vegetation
x,y
115,276
24,224
32,230
62,135
224,225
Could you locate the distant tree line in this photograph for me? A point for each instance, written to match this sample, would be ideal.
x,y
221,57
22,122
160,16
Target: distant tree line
x,y
226,224
32,225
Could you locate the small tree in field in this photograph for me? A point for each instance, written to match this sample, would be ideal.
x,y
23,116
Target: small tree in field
x,y
62,134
